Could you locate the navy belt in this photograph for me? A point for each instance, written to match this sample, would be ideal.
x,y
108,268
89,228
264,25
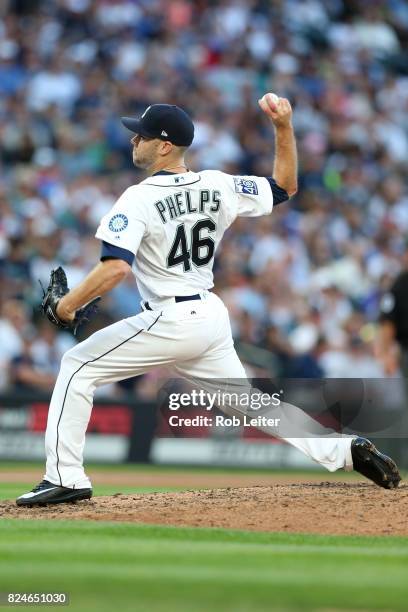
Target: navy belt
x,y
179,298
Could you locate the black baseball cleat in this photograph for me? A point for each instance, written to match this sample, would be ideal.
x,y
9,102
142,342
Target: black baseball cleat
x,y
48,493
374,465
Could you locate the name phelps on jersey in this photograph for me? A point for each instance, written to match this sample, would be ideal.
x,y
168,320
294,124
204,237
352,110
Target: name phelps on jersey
x,y
181,203
168,229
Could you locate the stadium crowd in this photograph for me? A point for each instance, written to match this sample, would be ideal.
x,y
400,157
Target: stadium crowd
x,y
303,286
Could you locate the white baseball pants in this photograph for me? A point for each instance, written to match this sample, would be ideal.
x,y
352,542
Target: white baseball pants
x,y
193,336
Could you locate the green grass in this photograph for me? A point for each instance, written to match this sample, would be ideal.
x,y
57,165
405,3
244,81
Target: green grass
x,y
105,566
142,568
177,469
150,468
10,491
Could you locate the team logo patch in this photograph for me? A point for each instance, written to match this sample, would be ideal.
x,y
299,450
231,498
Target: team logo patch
x,y
118,223
243,185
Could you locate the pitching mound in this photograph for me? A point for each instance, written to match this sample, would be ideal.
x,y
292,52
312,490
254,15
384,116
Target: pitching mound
x,y
325,508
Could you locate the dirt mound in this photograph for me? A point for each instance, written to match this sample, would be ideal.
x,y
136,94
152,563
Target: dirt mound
x,y
167,479
325,508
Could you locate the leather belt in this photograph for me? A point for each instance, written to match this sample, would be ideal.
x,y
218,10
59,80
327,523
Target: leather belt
x,y
178,298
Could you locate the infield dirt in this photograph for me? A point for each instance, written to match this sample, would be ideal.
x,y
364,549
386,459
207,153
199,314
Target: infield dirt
x,y
351,508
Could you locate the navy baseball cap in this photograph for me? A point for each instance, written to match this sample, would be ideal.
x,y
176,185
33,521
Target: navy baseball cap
x,y
164,121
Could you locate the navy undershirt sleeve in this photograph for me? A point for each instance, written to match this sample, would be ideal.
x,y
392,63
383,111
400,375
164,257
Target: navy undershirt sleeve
x,y
110,251
279,195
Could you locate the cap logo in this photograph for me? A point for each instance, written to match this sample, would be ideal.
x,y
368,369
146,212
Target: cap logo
x,y
147,109
164,133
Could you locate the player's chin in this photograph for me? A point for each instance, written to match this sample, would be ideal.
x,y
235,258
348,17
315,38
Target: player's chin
x,y
139,163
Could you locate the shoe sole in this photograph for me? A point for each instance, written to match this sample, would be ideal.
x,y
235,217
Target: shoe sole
x,y
369,454
63,499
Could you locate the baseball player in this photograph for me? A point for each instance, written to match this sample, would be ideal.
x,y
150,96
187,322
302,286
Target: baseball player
x,y
166,230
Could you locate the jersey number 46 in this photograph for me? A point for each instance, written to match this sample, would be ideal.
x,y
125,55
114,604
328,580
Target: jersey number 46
x,y
183,254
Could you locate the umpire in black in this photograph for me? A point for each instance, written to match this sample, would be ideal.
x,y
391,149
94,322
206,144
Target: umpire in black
x,y
392,339
392,345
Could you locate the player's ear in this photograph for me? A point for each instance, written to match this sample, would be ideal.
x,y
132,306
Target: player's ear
x,y
165,147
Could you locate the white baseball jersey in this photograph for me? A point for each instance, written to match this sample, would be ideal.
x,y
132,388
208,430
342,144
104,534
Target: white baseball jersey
x,y
174,224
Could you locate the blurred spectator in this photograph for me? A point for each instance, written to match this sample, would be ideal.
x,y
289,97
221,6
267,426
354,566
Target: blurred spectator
x,y
14,325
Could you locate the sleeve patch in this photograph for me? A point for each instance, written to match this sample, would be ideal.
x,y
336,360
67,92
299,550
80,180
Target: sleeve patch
x,y
118,223
243,185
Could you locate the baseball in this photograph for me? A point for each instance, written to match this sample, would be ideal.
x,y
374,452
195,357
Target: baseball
x,y
272,100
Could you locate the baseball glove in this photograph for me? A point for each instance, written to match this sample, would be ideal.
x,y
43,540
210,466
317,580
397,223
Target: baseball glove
x,y
57,288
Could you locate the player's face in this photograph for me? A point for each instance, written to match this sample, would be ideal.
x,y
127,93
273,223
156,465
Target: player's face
x,y
144,151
